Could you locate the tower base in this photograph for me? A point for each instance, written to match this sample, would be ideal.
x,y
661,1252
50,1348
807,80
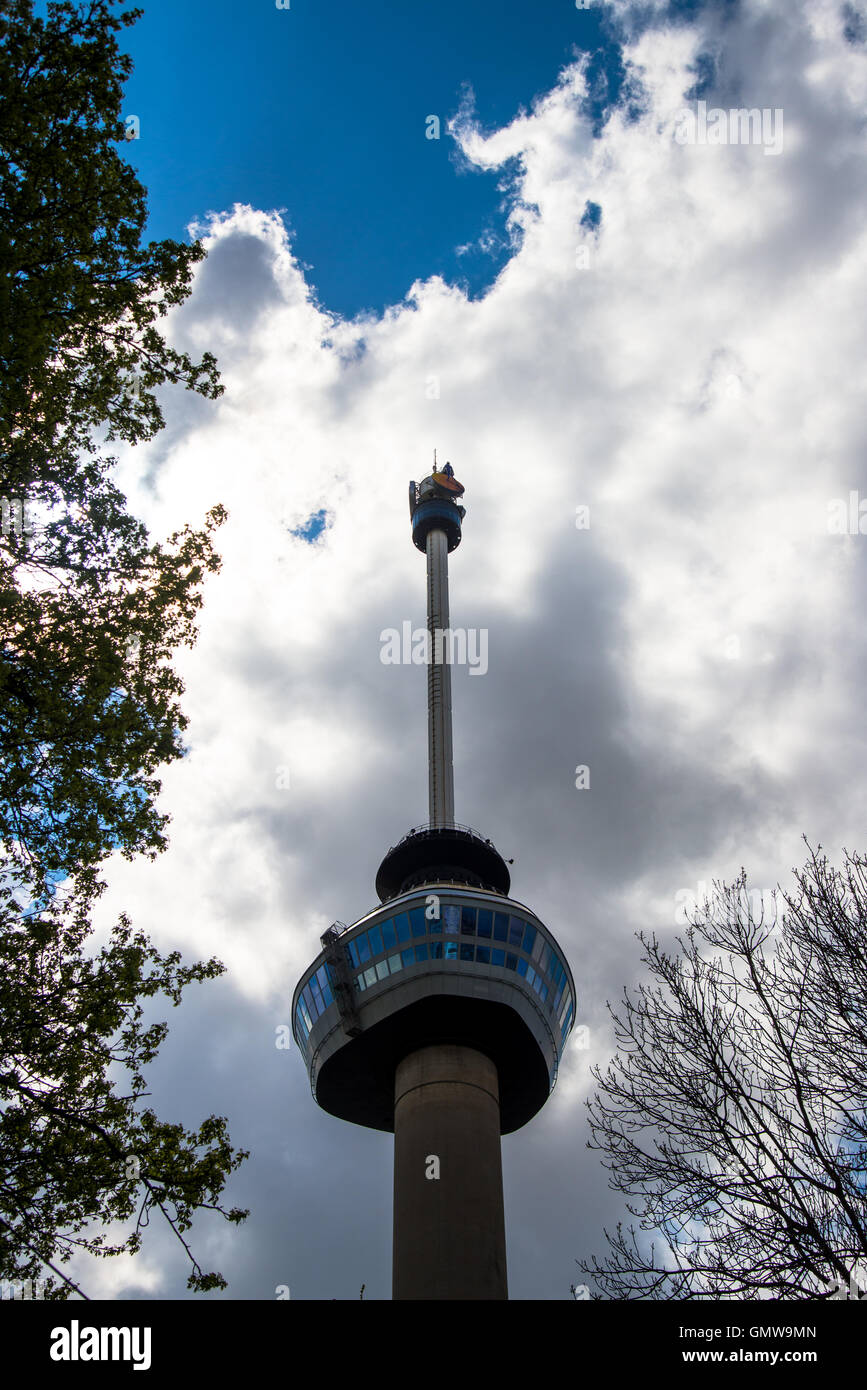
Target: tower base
x,y
449,1227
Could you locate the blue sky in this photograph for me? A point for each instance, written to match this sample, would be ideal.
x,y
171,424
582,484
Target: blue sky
x,y
321,109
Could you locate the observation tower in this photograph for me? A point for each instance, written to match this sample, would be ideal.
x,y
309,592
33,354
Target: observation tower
x,y
440,1015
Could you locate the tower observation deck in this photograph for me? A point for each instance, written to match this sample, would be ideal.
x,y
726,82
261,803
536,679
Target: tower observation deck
x,y
440,1015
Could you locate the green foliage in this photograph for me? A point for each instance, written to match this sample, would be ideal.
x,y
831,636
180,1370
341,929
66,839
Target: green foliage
x,y
91,612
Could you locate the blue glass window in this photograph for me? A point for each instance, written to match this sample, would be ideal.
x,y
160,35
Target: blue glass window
x,y
395,964
363,948
485,922
381,969
370,976
408,956
416,917
309,1002
529,938
530,972
483,955
450,950
452,918
516,931
558,996
436,950
389,940
498,957
421,952
325,985
467,951
522,966
316,996
468,921
353,953
374,936
435,927
543,990
308,1022
501,926
511,961
401,926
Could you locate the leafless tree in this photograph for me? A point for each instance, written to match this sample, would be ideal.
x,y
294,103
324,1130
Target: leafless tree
x,y
734,1109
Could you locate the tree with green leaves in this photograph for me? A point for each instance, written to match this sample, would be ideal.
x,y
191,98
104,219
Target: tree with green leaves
x,y
734,1114
91,613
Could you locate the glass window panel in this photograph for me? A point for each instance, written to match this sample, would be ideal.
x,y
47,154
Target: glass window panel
x,y
498,957
467,951
416,917
537,984
374,936
408,956
401,926
450,950
436,950
435,927
468,921
485,924
531,974
538,947
353,954
381,969
483,955
305,1017
363,948
452,917
529,938
516,931
389,940
421,952
359,982
543,990
511,961
545,959
557,997
522,966
370,976
501,926
395,964
308,1002
325,985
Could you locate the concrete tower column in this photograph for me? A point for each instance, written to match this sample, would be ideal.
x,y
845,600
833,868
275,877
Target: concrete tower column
x,y
439,685
449,1227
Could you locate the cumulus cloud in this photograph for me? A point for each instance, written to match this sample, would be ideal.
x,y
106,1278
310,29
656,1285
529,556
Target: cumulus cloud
x,y
688,366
